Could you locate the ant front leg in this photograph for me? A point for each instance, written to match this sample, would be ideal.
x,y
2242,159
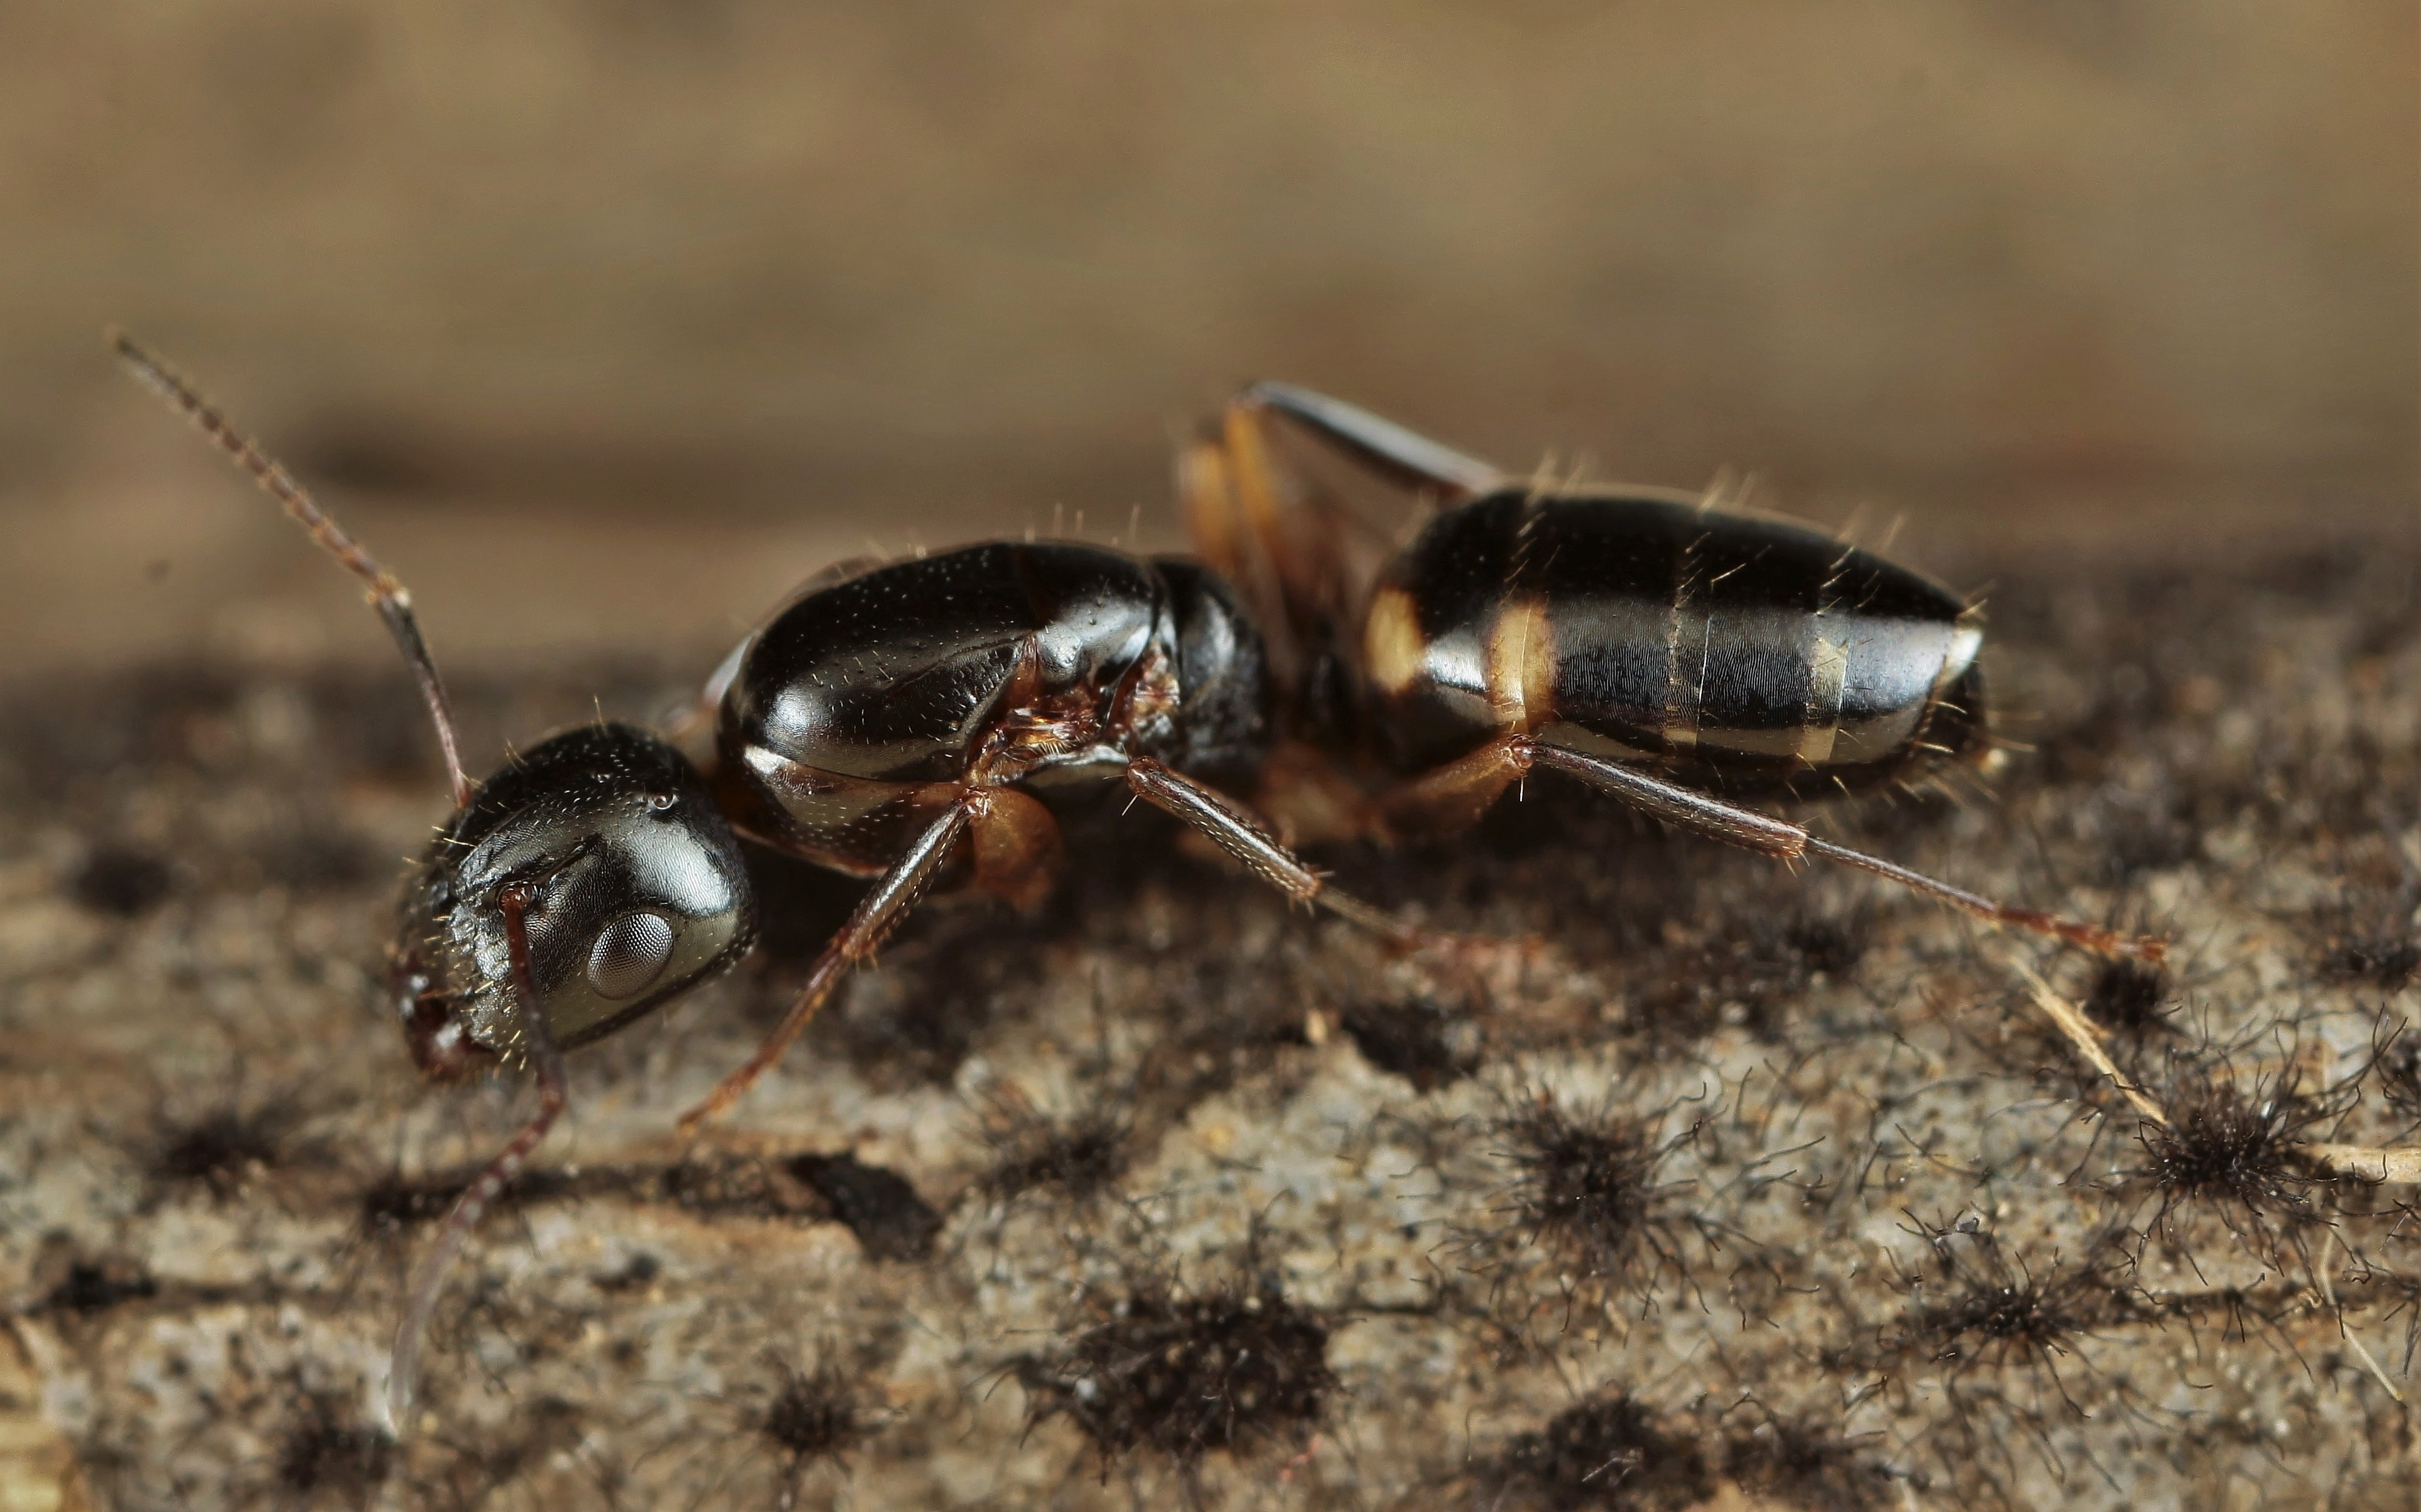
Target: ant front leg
x,y
1460,791
876,915
546,1060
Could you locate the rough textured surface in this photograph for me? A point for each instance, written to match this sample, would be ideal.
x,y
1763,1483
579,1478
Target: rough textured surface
x,y
1744,1191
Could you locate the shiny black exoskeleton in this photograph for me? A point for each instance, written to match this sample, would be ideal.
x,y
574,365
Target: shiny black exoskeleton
x,y
1742,655
1671,655
886,721
890,721
869,701
637,894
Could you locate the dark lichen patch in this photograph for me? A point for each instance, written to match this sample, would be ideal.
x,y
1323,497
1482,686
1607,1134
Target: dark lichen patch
x,y
1750,973
2129,997
327,1450
1589,1184
227,1148
1611,1451
1420,1041
1229,1370
1081,1159
91,1287
2233,1146
1799,1462
813,1416
880,1206
121,881
395,1203
1982,1306
2388,960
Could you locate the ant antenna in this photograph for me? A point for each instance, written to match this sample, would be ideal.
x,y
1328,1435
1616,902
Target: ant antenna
x,y
546,1059
393,600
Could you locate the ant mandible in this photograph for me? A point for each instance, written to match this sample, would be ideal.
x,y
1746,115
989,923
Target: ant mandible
x,y
890,720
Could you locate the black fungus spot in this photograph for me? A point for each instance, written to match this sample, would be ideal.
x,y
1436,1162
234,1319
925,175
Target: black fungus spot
x,y
1830,943
2236,1147
2127,995
1229,1370
2387,960
636,1273
890,1220
224,1148
944,989
2397,1065
327,1451
1081,1159
121,880
394,1204
1607,1452
1796,1462
376,723
1983,1307
96,1286
1419,1041
814,1416
1751,975
1589,1184
799,906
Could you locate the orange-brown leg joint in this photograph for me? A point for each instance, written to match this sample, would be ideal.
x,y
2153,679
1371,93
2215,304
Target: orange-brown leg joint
x,y
1453,797
1017,848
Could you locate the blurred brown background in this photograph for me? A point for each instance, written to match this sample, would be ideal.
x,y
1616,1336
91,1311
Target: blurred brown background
x,y
610,319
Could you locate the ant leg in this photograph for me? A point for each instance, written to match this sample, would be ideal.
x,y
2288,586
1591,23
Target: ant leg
x,y
393,600
1242,836
1404,455
1762,832
876,915
546,1060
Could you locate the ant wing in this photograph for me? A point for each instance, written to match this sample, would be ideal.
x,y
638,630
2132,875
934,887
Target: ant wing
x,y
1301,501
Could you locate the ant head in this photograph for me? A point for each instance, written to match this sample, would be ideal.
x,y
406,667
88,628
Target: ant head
x,y
593,877
590,881
632,892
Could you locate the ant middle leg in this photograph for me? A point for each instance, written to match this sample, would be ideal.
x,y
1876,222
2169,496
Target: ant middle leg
x,y
1242,836
1456,793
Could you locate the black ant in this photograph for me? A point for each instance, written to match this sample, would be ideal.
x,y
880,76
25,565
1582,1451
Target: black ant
x,y
891,719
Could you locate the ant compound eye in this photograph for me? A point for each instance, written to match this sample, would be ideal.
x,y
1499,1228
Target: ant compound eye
x,y
629,954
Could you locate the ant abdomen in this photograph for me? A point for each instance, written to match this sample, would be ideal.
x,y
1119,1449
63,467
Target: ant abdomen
x,y
1737,653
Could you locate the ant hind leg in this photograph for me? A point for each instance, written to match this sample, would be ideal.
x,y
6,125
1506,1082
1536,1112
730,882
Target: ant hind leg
x,y
1751,829
1462,791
